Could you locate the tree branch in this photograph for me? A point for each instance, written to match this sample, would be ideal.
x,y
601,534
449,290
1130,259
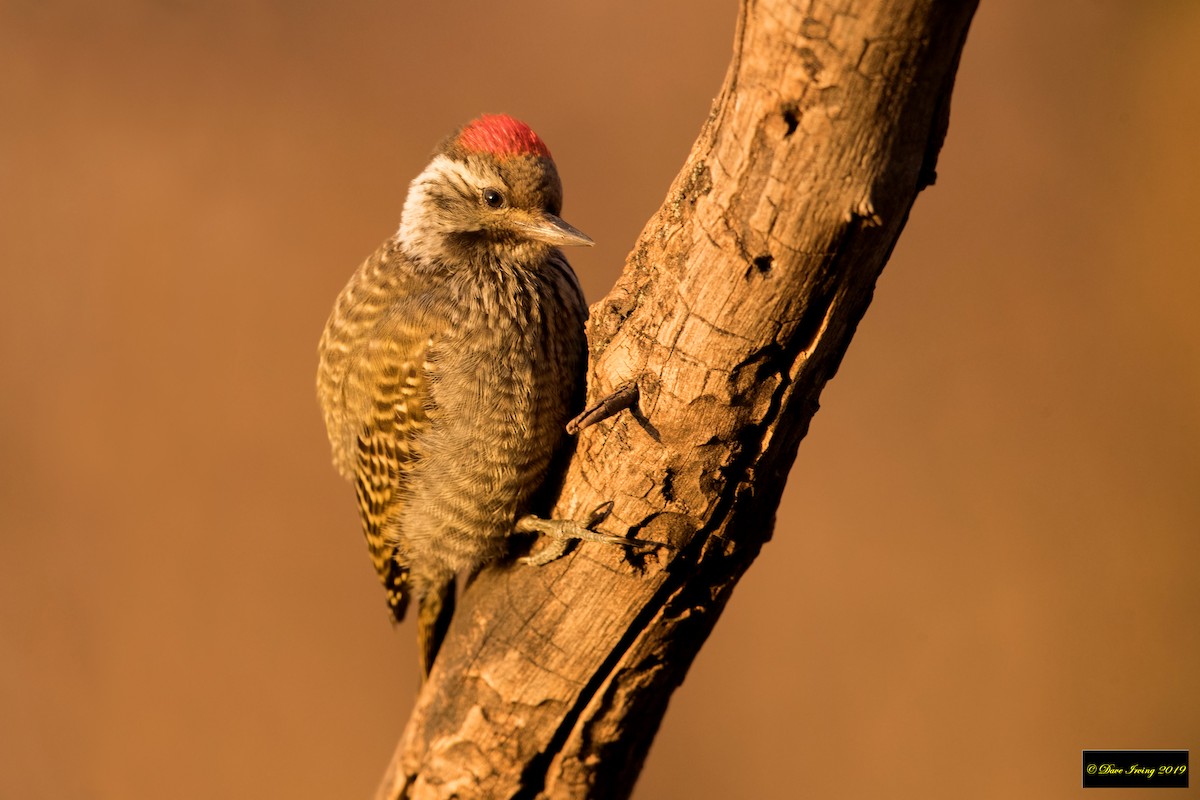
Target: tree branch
x,y
734,309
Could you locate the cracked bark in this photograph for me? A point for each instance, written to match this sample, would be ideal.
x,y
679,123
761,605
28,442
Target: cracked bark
x,y
734,309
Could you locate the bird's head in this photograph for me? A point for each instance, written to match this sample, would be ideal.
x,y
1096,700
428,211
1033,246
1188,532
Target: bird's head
x,y
491,191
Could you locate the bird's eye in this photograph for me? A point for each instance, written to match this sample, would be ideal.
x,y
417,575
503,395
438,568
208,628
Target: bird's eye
x,y
493,198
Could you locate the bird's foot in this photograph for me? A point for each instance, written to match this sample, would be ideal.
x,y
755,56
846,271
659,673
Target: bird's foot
x,y
562,532
623,398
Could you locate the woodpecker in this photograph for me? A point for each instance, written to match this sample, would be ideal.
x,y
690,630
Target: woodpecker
x,y
451,363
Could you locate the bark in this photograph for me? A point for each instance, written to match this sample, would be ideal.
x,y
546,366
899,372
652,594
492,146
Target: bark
x,y
734,309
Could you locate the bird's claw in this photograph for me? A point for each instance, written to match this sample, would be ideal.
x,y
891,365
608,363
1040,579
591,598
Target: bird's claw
x,y
562,532
623,398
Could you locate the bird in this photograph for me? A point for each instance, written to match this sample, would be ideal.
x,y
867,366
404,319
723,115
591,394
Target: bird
x,y
450,365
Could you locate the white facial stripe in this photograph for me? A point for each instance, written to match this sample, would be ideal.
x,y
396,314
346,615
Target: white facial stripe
x,y
456,174
444,182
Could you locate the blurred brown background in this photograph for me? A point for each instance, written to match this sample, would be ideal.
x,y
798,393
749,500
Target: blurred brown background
x,y
987,556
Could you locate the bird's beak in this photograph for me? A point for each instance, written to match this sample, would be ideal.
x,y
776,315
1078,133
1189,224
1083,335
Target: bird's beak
x,y
546,227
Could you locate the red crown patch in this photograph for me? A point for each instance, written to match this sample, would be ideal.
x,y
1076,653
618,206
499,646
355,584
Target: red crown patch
x,y
501,135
